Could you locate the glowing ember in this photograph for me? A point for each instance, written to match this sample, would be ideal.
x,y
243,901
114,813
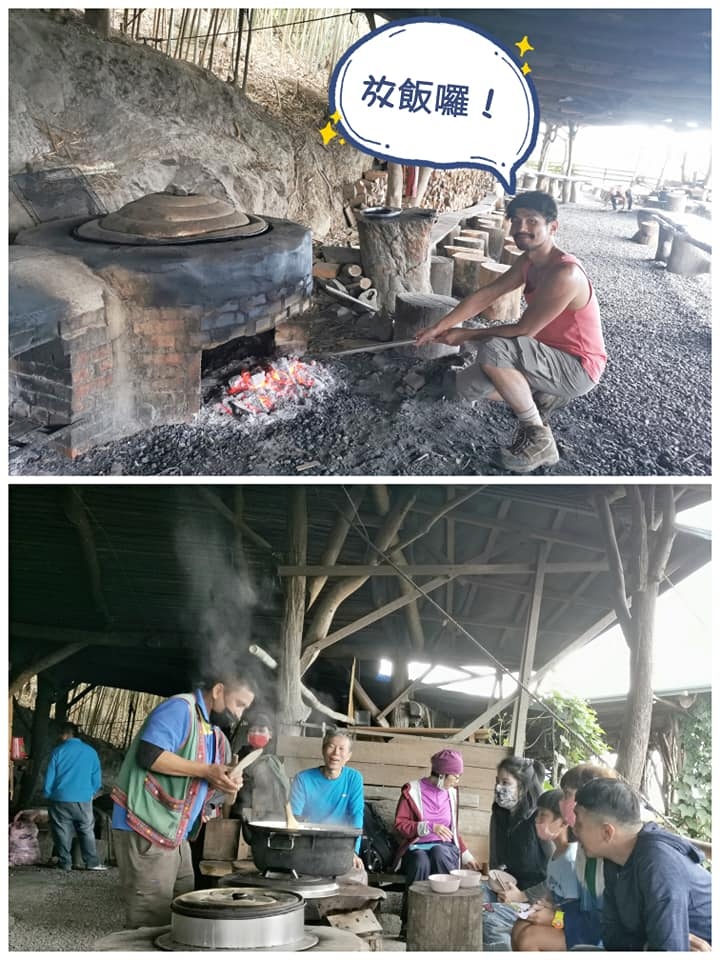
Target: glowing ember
x,y
259,391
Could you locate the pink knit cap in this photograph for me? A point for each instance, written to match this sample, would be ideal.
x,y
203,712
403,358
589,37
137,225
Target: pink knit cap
x,y
447,761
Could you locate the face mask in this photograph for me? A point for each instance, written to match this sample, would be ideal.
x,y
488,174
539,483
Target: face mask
x,y
505,796
544,833
567,809
222,719
258,739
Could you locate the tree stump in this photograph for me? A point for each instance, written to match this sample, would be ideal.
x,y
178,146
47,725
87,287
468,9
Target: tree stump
x,y
529,181
449,238
470,243
414,312
395,253
686,259
483,235
441,275
495,231
506,308
647,232
510,254
444,921
466,274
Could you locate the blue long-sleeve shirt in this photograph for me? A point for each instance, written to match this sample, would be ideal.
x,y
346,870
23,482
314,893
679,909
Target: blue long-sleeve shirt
x,y
73,773
658,897
319,800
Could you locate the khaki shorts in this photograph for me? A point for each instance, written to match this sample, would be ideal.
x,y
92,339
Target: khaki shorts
x,y
546,369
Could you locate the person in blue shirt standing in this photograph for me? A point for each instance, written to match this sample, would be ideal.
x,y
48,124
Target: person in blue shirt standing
x,y
71,781
332,793
162,795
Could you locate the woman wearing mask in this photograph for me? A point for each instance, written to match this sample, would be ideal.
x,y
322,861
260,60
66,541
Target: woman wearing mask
x,y
426,820
515,846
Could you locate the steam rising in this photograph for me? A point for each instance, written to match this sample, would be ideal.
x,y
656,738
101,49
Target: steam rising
x,y
221,597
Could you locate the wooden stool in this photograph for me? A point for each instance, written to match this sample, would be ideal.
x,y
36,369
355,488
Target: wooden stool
x,y
444,921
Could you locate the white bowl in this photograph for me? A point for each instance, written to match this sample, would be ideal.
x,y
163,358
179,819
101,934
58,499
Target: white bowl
x,y
443,883
468,878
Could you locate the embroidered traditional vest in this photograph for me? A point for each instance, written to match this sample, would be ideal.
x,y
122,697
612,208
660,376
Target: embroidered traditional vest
x,y
158,805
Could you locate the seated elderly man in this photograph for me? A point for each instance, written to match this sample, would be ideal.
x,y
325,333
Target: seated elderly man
x,y
657,894
333,792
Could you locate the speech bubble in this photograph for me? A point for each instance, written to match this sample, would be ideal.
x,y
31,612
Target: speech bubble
x,y
436,93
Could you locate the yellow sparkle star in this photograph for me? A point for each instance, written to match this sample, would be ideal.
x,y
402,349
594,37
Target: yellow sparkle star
x,y
327,133
524,46
335,117
341,140
526,69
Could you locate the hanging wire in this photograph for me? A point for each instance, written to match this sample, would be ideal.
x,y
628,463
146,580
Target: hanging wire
x,y
563,723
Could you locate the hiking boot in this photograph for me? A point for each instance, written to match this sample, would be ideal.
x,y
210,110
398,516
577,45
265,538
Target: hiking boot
x,y
532,447
548,403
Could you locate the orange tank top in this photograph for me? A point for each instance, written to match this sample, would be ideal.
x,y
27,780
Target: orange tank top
x,y
578,332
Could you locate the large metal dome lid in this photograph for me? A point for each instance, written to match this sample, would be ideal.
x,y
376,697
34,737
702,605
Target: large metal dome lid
x,y
171,218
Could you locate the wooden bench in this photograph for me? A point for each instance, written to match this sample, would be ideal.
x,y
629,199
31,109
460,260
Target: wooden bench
x,y
385,767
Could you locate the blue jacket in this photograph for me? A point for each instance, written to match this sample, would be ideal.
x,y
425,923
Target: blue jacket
x,y
659,897
73,773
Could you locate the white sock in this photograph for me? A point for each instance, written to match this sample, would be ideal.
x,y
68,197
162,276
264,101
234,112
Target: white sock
x,y
530,417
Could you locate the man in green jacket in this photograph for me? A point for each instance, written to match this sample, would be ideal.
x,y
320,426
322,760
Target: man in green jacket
x,y
162,791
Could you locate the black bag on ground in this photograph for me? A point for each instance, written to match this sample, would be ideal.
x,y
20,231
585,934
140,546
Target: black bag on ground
x,y
377,849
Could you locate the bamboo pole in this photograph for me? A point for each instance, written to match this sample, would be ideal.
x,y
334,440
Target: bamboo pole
x,y
247,50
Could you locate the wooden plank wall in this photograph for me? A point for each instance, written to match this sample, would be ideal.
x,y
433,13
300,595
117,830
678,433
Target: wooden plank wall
x,y
386,766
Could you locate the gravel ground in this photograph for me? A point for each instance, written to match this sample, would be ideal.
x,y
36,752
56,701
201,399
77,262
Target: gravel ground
x,y
650,415
52,910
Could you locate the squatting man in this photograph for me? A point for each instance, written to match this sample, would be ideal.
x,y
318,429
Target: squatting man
x,y
551,355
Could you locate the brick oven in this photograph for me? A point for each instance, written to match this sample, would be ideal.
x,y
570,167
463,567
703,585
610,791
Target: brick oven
x,y
109,317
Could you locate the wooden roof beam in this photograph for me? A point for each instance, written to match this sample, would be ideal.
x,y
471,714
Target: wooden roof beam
x,y
438,569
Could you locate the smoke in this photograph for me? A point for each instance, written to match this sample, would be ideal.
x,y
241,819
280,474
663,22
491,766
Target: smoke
x,y
220,598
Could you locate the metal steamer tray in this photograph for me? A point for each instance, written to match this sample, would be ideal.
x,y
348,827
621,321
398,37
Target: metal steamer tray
x,y
237,918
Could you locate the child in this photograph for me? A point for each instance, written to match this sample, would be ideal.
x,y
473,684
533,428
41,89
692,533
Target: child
x,y
561,880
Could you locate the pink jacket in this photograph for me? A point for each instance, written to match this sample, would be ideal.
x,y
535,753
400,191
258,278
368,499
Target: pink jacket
x,y
409,820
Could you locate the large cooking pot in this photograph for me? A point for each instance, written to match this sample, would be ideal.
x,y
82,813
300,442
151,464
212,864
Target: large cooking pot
x,y
311,849
237,918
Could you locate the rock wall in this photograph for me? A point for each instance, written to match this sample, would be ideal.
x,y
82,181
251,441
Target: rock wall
x,y
135,122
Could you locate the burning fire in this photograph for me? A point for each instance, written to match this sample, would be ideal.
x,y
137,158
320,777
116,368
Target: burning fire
x,y
260,391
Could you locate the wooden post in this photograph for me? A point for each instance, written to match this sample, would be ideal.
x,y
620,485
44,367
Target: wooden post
x,y
99,20
292,710
39,735
441,275
395,254
414,312
466,277
444,922
394,192
510,254
519,724
496,232
336,540
506,308
651,538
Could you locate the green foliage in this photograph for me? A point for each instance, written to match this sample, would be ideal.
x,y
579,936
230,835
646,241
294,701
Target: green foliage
x,y
582,719
691,808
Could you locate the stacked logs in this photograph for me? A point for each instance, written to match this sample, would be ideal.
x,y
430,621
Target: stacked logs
x,y
480,250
